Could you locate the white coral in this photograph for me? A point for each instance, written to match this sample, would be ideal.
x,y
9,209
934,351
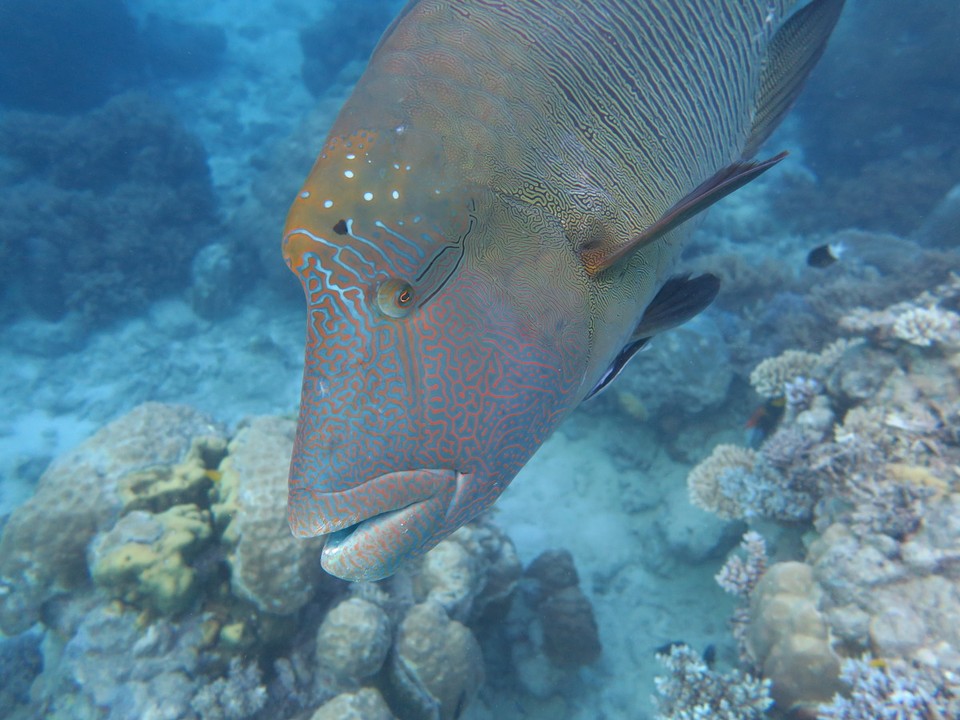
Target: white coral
x,y
926,326
770,377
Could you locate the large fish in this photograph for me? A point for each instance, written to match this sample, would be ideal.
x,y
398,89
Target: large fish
x,y
489,232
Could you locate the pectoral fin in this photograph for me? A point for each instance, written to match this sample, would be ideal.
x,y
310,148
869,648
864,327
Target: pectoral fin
x,y
679,300
722,183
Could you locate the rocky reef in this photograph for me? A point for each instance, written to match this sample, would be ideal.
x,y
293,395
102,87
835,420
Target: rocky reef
x,y
153,575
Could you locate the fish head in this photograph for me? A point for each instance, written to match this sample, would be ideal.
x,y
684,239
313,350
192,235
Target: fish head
x,y
436,363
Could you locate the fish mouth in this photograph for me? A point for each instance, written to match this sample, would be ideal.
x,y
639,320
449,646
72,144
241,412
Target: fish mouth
x,y
407,517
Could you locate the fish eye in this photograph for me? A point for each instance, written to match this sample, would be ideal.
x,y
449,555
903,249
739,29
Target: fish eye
x,y
395,297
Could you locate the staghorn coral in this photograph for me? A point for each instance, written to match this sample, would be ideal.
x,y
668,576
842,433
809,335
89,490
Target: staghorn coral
x,y
692,691
894,689
739,577
740,574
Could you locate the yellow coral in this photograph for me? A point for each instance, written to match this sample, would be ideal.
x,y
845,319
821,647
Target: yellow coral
x,y
142,560
161,487
703,482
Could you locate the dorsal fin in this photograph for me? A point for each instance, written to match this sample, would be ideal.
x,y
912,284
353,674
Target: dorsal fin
x,y
793,52
393,26
732,177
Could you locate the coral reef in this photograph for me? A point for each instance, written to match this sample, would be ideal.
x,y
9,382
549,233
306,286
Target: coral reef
x,y
692,691
103,212
894,689
354,639
437,667
875,450
159,550
145,558
735,482
788,639
269,567
43,548
365,704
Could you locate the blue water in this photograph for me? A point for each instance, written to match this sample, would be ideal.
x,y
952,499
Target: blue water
x,y
149,152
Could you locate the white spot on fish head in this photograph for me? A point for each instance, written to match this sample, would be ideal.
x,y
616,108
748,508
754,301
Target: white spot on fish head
x,y
368,196
348,173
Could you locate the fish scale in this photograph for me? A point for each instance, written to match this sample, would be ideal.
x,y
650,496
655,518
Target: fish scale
x,y
488,235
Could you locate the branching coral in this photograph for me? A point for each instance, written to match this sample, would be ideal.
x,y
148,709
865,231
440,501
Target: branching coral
x,y
740,574
770,377
692,691
894,690
922,321
797,372
237,696
735,483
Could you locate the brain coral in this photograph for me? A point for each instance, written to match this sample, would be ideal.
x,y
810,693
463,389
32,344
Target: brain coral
x,y
269,567
42,551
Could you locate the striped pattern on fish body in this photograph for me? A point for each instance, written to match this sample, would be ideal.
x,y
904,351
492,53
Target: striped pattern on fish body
x,y
498,203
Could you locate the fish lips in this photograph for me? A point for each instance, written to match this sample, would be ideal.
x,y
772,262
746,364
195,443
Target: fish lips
x,y
387,520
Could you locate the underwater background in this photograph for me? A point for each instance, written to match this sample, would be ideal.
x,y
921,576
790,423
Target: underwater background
x,y
764,506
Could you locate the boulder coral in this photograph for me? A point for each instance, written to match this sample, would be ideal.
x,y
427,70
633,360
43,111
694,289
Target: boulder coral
x,y
437,667
44,544
789,639
157,561
353,639
275,571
